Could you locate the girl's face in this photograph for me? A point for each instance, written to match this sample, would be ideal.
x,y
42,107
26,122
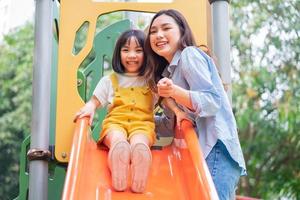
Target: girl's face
x,y
132,56
164,36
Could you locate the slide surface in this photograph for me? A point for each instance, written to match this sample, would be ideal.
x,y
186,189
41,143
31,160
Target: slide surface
x,y
178,171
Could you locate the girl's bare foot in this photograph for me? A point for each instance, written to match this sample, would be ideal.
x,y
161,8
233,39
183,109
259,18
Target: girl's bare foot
x,y
118,160
141,159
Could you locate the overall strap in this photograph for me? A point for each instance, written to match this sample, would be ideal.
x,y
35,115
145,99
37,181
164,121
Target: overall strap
x,y
114,80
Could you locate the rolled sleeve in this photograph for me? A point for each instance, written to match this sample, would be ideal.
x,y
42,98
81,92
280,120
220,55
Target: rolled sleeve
x,y
205,105
204,96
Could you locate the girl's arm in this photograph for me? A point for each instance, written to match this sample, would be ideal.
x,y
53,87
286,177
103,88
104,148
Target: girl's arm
x,y
88,109
98,99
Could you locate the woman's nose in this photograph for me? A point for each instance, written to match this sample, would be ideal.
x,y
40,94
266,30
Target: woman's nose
x,y
159,34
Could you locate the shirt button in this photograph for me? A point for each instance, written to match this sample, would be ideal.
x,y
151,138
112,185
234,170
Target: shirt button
x,y
129,120
131,109
131,89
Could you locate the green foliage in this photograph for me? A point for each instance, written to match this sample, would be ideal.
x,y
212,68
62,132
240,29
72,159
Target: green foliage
x,y
16,53
266,95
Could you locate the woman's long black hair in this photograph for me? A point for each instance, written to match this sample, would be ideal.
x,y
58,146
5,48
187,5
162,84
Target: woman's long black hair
x,y
155,63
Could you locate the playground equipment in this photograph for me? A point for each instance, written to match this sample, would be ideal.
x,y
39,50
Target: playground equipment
x,y
177,173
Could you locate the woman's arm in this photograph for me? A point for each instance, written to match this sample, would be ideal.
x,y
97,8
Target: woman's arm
x,y
180,114
166,88
202,98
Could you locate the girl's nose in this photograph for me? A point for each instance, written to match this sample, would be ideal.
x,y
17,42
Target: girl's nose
x,y
131,54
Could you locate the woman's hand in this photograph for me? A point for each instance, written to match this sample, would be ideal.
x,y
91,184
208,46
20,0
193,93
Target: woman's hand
x,y
166,87
181,115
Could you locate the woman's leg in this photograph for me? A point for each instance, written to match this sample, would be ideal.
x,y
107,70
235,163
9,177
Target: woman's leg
x,y
118,158
224,170
141,159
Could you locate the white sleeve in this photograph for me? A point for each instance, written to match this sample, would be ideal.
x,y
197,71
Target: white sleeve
x,y
103,90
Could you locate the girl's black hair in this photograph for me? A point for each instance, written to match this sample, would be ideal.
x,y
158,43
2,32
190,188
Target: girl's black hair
x,y
124,38
155,63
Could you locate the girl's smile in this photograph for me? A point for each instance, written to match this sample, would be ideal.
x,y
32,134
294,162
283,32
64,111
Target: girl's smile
x,y
132,56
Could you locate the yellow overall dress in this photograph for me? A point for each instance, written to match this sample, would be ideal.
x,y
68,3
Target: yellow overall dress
x,y
131,111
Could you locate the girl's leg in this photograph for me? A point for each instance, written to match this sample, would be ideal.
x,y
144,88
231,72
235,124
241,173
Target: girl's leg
x,y
141,160
113,136
224,170
118,158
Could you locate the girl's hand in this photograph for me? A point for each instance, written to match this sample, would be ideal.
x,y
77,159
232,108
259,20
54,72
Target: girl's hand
x,y
88,110
166,87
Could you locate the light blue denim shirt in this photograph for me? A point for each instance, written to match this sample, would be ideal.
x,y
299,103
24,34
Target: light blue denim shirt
x,y
193,70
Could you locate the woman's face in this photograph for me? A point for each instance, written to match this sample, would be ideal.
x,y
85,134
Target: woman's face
x,y
164,36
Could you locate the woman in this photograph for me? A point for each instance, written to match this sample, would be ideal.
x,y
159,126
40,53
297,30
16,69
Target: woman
x,y
184,73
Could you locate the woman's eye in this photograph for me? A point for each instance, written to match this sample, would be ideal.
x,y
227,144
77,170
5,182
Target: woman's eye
x,y
152,31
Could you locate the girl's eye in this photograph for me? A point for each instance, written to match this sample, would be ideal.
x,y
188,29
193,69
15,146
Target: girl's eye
x,y
139,50
124,50
166,28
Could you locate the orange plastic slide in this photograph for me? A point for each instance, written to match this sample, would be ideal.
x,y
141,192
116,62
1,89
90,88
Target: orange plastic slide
x,y
177,172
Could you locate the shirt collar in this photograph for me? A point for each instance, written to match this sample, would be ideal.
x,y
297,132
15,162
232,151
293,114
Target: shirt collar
x,y
168,71
130,74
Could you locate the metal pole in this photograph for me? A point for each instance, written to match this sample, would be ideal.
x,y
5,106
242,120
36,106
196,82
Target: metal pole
x,y
38,154
221,40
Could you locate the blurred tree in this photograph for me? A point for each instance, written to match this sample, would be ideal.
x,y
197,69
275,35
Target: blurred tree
x,y
15,104
266,51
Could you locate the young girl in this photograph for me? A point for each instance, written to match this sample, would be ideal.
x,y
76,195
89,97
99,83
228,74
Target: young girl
x,y
186,74
130,113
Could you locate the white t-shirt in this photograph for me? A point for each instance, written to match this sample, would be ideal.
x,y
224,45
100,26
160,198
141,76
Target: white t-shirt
x,y
104,91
